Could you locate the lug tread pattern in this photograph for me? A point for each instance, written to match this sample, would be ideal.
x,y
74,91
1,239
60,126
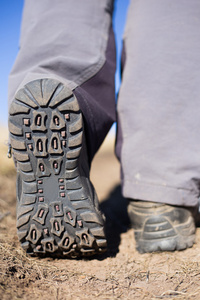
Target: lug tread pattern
x,y
55,215
18,108
16,130
23,97
161,228
24,166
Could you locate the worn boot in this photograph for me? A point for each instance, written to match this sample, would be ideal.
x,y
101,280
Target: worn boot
x,y
57,207
161,227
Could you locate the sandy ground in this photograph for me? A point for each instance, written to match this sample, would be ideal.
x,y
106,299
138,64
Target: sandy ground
x,y
121,273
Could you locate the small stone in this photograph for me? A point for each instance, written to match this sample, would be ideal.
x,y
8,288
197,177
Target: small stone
x,y
63,134
70,216
27,122
67,116
56,226
41,167
57,208
38,121
28,135
80,224
55,165
41,213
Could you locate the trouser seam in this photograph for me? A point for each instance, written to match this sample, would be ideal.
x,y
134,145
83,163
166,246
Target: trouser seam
x,y
91,116
90,72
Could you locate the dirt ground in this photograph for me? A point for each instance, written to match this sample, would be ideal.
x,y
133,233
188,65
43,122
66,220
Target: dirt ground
x,y
121,273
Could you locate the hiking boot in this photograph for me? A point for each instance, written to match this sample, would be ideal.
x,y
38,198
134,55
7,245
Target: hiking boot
x,y
161,227
57,207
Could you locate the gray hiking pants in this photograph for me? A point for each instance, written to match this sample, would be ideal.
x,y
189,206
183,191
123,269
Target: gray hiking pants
x,y
159,100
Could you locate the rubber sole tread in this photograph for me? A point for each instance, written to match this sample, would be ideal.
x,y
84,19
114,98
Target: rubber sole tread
x,y
161,227
56,215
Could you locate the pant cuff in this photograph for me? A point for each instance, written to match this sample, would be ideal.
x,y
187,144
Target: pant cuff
x,y
161,194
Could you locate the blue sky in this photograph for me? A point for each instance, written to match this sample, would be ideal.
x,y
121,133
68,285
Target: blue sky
x,y
10,20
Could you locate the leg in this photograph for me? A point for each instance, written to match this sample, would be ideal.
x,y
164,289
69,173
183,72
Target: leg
x,y
54,131
58,42
158,105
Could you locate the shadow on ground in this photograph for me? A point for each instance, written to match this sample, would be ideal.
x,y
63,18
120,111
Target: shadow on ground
x,y
117,220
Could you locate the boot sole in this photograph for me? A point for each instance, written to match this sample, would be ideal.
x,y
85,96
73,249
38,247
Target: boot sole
x,y
160,235
157,227
55,214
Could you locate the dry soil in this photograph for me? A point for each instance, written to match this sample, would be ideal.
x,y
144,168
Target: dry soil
x,y
121,273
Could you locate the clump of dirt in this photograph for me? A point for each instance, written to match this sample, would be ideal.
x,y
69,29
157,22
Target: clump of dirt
x,y
121,273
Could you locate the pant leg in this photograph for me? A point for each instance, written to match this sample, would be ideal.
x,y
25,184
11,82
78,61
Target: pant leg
x,y
72,41
159,102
